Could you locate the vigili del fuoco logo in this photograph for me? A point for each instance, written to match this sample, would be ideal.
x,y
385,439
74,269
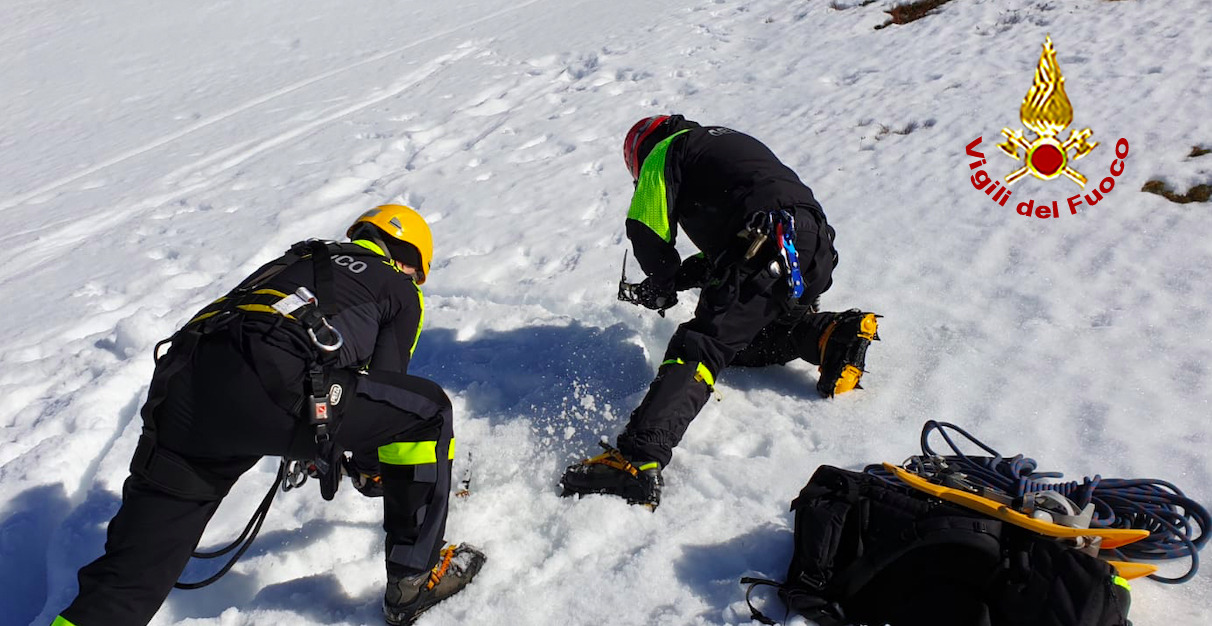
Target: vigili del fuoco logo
x,y
1046,112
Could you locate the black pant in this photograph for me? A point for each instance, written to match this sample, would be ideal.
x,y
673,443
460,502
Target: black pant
x,y
741,317
218,419
786,340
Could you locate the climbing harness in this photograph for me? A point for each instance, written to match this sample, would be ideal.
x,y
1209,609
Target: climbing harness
x,y
310,312
325,466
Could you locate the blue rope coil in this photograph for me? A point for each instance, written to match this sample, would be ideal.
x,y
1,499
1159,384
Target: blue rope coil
x,y
1177,524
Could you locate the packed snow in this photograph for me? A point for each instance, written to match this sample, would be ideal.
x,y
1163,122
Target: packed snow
x,y
155,153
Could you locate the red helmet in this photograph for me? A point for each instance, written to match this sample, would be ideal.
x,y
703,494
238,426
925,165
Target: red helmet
x,y
635,138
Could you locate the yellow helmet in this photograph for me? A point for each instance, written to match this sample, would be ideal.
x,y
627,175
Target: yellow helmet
x,y
403,224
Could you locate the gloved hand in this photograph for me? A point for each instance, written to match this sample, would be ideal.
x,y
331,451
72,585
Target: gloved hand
x,y
369,485
654,295
366,480
693,274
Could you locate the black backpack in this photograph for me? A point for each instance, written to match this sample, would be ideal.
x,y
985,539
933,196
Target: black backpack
x,y
869,551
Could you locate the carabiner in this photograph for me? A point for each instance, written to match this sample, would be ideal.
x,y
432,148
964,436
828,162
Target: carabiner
x,y
327,347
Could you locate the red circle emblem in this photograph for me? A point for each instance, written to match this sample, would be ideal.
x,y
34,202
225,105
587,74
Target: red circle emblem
x,y
1047,159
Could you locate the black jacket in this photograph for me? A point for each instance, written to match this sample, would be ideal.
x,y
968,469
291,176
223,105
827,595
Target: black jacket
x,y
376,308
713,178
379,309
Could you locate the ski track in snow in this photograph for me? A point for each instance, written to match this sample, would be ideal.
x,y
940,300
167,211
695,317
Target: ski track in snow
x,y
257,102
1056,340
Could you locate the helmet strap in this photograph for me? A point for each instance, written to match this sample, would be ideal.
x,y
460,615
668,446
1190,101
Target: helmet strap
x,y
371,233
382,246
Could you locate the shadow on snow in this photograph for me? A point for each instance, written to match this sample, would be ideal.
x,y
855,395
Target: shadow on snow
x,y
713,571
25,541
557,376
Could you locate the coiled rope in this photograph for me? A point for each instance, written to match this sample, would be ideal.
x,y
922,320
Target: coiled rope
x,y
1177,524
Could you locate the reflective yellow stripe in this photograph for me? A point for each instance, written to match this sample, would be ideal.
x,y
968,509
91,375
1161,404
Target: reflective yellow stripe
x,y
420,320
704,374
255,308
1119,580
648,466
60,621
202,317
412,452
370,245
373,247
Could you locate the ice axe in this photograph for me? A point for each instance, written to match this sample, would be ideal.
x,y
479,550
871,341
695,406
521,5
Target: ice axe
x,y
627,291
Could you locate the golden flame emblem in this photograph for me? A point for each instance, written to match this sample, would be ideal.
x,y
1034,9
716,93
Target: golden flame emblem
x,y
1046,111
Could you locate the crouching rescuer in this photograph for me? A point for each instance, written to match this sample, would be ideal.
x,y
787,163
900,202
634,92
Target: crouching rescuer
x,y
767,255
306,359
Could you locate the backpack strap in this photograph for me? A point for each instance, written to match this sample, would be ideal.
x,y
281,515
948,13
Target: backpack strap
x,y
754,613
821,512
161,467
808,570
812,606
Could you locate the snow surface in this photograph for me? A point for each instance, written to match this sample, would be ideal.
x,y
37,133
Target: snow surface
x,y
154,153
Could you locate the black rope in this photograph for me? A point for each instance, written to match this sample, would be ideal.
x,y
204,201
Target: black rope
x,y
250,532
1177,524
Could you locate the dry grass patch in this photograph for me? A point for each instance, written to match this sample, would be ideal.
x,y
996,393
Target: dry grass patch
x,y
1198,193
911,12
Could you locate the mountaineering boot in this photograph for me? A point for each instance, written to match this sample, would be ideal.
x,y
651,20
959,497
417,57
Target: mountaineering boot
x,y
611,473
843,351
409,596
651,485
